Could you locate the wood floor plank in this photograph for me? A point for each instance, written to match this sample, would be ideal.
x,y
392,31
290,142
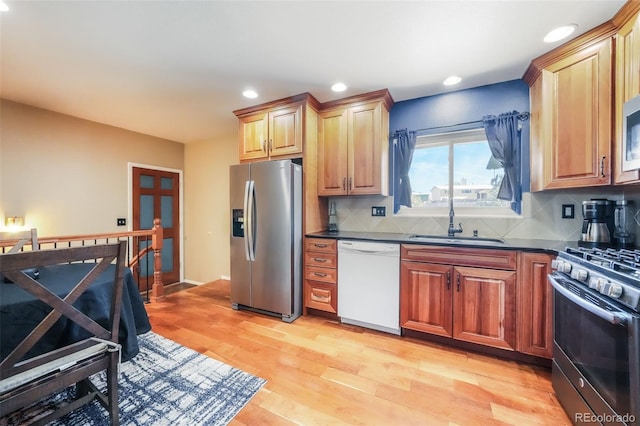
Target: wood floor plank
x,y
321,372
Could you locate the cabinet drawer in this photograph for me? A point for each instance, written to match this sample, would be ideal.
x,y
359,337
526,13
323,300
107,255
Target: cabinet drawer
x,y
460,256
327,275
323,260
322,296
320,244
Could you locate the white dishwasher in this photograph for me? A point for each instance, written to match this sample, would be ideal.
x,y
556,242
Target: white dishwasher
x,y
369,284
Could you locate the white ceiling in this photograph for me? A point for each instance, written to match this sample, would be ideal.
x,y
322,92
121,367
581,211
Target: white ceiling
x,y
176,69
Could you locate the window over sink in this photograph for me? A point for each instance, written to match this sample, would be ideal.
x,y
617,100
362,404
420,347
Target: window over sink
x,y
456,165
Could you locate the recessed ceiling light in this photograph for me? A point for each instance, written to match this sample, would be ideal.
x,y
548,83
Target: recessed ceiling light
x,y
560,33
3,7
339,87
251,94
450,81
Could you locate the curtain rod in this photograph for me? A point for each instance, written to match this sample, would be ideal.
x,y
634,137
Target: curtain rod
x,y
523,116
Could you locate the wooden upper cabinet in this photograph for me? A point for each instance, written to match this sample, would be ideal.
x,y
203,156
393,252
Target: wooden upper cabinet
x,y
627,77
353,145
253,137
572,104
274,130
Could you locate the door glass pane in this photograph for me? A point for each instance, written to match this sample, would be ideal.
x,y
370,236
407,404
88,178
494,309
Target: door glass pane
x,y
146,181
146,262
167,255
146,211
166,211
166,183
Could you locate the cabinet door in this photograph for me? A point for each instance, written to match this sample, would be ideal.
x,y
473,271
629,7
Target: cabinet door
x,y
534,298
627,87
577,93
484,306
332,153
285,131
253,137
425,297
366,169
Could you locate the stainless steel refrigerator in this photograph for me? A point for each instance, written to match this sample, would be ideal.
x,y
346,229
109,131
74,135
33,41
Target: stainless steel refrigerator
x,y
266,238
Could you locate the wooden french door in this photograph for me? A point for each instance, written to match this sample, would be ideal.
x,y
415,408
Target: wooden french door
x,y
156,194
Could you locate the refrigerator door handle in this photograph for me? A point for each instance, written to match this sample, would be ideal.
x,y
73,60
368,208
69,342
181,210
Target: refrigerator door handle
x,y
250,225
247,220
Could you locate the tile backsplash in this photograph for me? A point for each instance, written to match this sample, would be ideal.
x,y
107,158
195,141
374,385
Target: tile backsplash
x,y
541,216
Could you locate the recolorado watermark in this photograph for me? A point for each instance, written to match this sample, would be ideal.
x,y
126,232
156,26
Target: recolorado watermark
x,y
603,418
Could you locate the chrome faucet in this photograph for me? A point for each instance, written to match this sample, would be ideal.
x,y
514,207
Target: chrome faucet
x,y
453,231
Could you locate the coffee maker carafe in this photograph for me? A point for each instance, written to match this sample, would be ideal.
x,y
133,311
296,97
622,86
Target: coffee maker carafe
x,y
597,226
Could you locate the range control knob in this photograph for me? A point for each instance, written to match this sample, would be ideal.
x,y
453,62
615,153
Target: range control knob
x,y
598,283
562,266
615,291
580,275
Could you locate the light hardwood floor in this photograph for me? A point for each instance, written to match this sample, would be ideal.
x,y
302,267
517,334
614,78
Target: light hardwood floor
x,y
320,372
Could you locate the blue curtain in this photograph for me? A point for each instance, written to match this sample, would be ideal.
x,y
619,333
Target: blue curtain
x,y
403,147
503,135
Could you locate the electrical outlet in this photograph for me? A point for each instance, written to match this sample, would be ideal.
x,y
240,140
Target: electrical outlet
x,y
121,221
568,211
378,211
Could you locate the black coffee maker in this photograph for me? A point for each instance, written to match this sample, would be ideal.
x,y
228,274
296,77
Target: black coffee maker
x,y
598,224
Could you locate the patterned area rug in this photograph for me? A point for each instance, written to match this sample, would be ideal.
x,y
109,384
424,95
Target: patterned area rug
x,y
165,384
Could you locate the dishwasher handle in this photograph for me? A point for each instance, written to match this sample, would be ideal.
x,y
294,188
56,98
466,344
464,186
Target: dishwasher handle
x,y
369,248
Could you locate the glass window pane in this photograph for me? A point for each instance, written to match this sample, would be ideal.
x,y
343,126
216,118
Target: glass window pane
x,y
146,181
146,211
166,209
429,176
476,175
166,183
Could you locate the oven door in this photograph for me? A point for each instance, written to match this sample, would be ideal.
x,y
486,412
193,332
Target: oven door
x,y
596,348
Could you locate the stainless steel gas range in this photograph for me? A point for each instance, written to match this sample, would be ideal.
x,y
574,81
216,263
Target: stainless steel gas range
x,y
596,353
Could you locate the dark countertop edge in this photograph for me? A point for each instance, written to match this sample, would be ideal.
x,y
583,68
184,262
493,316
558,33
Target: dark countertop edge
x,y
530,245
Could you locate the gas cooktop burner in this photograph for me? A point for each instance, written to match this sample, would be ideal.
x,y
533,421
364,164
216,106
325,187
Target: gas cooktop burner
x,y
625,261
613,273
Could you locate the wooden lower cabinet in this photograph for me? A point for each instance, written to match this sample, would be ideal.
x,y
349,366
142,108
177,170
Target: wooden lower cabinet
x,y
425,297
484,302
467,303
471,304
321,275
535,305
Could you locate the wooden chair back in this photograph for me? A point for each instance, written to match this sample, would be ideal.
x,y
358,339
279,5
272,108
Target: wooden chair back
x,y
27,379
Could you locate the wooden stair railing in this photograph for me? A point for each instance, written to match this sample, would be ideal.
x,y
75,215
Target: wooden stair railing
x,y
155,235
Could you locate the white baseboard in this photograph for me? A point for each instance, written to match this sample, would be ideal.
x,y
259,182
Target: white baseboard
x,y
225,277
192,282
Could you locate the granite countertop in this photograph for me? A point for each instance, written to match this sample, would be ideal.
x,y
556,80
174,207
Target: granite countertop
x,y
549,246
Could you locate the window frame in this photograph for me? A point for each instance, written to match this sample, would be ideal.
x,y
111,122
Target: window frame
x,y
450,139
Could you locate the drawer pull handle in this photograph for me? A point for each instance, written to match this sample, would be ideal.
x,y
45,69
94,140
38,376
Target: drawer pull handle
x,y
325,297
320,245
319,260
320,274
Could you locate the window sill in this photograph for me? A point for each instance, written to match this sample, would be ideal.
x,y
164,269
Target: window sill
x,y
497,213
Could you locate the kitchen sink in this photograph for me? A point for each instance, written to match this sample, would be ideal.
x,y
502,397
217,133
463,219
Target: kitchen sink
x,y
457,240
